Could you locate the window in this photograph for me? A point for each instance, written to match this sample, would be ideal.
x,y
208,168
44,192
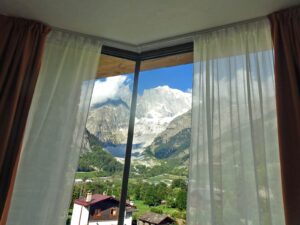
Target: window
x,y
158,148
97,212
160,154
102,160
113,212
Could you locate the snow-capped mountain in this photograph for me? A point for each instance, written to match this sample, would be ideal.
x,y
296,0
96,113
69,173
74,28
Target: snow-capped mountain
x,y
156,108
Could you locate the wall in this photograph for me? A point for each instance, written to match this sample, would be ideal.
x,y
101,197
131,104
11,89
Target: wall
x,y
79,213
105,207
83,214
127,221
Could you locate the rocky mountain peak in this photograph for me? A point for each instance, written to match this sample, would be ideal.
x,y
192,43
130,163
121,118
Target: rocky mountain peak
x,y
156,108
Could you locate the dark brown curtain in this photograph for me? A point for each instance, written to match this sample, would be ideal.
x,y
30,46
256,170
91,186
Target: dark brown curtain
x,y
285,27
21,46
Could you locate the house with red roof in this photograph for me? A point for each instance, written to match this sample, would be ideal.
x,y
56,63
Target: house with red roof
x,y
99,209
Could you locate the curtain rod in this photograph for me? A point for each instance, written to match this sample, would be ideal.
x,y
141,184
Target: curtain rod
x,y
104,41
189,37
163,43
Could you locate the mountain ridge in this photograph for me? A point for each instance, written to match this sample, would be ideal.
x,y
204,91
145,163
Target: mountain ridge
x,y
156,108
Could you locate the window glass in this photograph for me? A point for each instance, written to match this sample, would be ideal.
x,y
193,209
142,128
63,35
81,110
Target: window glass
x,y
100,166
160,154
158,177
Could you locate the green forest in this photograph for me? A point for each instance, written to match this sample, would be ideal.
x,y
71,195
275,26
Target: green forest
x,y
159,198
161,188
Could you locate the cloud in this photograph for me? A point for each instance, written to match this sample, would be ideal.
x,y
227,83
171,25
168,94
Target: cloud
x,y
109,88
189,90
238,85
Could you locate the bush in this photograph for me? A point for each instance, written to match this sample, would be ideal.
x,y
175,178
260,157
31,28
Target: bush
x,y
151,196
181,200
156,210
179,215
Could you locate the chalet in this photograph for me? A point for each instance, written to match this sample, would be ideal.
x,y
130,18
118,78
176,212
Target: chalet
x,y
151,218
99,209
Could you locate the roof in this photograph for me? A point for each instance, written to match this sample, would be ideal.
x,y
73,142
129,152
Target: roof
x,y
154,218
95,199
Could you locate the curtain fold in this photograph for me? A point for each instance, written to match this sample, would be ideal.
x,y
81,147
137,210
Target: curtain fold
x,y
286,39
234,173
54,131
21,47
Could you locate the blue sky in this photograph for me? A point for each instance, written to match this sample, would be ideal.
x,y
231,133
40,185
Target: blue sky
x,y
179,77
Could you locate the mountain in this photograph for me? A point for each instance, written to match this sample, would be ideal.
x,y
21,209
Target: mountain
x,y
89,141
99,160
109,122
156,108
174,141
94,158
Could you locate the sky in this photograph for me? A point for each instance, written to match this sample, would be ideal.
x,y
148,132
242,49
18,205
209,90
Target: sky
x,y
177,77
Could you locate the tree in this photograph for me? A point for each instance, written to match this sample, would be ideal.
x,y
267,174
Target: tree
x,y
179,183
75,194
162,191
181,200
151,196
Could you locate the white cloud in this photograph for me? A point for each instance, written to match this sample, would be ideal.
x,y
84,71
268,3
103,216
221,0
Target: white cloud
x,y
238,85
108,89
189,90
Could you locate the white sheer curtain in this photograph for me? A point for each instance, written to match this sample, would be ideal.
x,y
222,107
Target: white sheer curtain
x,y
234,164
54,131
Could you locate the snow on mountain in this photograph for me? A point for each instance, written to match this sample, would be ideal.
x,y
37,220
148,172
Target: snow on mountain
x,y
156,108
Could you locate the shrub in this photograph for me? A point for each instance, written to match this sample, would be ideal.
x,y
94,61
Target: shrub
x,y
156,210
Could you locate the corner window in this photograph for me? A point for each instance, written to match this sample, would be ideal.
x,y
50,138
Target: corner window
x,y
161,138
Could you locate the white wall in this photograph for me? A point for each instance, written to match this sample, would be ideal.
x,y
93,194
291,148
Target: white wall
x,y
127,221
79,213
109,222
82,213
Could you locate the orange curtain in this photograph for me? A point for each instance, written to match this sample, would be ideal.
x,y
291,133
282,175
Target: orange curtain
x,y
286,39
21,47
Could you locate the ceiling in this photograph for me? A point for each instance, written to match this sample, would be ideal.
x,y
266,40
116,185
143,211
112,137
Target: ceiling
x,y
137,22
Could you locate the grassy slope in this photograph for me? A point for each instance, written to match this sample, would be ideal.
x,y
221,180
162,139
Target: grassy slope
x,y
143,208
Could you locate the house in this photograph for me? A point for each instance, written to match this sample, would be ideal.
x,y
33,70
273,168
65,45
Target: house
x,y
99,209
77,181
151,218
